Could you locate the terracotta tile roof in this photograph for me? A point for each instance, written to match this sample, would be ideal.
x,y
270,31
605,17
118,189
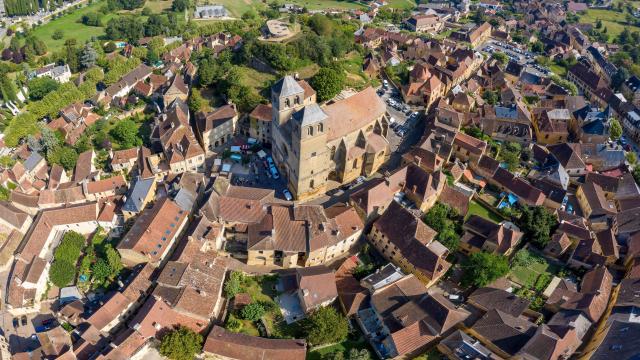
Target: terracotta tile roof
x,y
198,278
66,196
113,183
318,285
470,143
490,298
506,332
83,166
47,219
351,294
594,294
209,121
244,347
262,112
27,200
164,220
353,113
455,199
597,201
109,311
414,239
155,315
12,215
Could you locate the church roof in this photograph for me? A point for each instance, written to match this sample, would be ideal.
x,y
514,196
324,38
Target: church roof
x,y
287,86
310,114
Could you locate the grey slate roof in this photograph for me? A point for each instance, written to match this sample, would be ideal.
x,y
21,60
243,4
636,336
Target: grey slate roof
x,y
309,115
287,86
32,161
138,193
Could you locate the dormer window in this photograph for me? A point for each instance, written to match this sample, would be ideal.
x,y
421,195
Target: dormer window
x,y
287,103
310,131
297,100
319,128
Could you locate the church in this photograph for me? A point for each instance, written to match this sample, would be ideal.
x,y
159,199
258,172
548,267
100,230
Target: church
x,y
338,141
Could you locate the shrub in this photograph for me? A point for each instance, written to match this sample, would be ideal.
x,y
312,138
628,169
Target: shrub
x,y
62,273
234,284
181,344
325,326
252,312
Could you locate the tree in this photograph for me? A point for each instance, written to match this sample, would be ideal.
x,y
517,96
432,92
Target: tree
x,y
615,129
57,35
537,223
71,52
100,271
321,24
196,101
325,326
441,219
39,87
359,354
632,158
502,58
126,134
252,312
233,285
63,156
328,83
482,268
89,56
180,5
181,343
62,273
114,260
537,47
599,24
110,47
619,78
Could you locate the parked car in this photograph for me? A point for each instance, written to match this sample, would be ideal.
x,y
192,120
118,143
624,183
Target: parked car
x,y
274,172
287,194
360,179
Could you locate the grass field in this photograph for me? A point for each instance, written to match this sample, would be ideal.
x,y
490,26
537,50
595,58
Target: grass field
x,y
475,208
71,27
527,275
158,6
345,347
612,20
239,7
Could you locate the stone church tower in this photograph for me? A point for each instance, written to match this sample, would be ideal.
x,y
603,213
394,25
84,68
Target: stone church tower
x,y
300,139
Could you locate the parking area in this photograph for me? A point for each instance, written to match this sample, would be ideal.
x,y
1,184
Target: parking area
x,y
20,330
250,166
520,56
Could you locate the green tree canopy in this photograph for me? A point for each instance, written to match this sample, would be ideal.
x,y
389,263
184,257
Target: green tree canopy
x,y
63,156
126,134
615,129
501,57
327,82
39,87
325,326
253,311
181,344
482,268
538,224
233,285
62,273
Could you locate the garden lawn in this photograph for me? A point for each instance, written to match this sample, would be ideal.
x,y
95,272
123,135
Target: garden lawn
x,y
401,4
612,20
558,70
255,79
476,208
71,27
527,276
344,346
239,7
158,6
